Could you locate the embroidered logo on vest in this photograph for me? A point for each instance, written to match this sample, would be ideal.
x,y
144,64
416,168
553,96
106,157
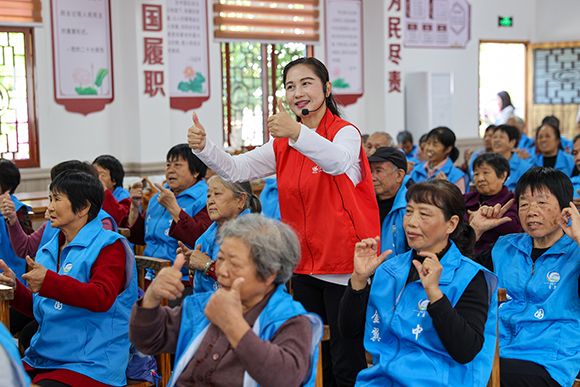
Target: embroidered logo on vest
x,y
68,267
417,331
316,169
422,308
375,317
375,335
58,305
553,278
539,314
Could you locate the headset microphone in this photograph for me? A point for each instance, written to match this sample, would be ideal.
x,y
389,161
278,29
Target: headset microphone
x,y
305,112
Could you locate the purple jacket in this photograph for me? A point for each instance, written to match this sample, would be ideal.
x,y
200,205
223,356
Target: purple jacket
x,y
473,201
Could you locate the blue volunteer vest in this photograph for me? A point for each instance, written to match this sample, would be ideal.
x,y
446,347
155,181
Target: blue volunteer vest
x,y
518,167
269,199
49,231
158,221
564,162
95,344
392,232
209,245
280,308
526,143
453,173
576,184
7,253
120,193
399,332
540,321
9,345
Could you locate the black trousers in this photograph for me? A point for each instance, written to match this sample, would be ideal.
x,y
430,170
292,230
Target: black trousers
x,y
343,358
522,373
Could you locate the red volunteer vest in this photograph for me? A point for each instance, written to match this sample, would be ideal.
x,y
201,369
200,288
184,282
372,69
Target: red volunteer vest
x,y
328,212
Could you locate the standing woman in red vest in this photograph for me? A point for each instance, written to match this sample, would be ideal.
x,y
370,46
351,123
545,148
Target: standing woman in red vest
x,y
325,191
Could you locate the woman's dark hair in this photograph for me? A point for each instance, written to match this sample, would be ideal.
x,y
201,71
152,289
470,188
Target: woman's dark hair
x,y
505,99
552,121
72,165
576,138
446,137
423,138
182,151
553,180
496,161
82,189
114,167
556,133
321,72
447,197
404,136
511,131
9,176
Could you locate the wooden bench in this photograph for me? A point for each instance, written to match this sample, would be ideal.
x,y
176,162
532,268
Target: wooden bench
x,y
6,295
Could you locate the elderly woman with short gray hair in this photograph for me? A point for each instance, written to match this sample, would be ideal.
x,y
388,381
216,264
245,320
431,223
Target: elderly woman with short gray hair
x,y
249,331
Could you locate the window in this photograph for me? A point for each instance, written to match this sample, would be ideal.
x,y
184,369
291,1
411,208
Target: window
x,y
18,131
252,78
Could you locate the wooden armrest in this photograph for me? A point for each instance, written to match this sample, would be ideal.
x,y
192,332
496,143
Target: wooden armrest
x,y
501,295
124,231
6,293
144,262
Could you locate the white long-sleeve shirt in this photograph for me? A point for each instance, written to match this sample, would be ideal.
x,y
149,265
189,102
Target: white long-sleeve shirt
x,y
341,155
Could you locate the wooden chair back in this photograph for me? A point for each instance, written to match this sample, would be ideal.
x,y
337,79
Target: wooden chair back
x,y
494,379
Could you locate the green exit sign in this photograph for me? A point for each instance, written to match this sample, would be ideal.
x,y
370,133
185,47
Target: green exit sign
x,y
505,21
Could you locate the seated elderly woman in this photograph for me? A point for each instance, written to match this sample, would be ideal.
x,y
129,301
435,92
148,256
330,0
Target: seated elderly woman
x,y
539,325
80,289
551,153
177,211
429,315
250,324
490,171
225,201
117,201
13,211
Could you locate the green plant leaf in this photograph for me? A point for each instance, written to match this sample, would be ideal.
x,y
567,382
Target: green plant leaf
x,y
183,86
340,83
101,74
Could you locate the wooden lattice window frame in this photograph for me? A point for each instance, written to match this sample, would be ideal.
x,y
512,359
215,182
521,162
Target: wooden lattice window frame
x,y
34,159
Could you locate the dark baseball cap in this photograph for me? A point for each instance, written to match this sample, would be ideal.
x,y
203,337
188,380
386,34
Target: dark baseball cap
x,y
393,155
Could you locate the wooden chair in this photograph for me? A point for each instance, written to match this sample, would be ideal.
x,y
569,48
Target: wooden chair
x,y
325,337
494,379
163,359
6,295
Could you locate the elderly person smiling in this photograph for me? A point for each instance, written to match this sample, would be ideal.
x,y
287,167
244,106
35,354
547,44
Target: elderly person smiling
x,y
226,200
248,331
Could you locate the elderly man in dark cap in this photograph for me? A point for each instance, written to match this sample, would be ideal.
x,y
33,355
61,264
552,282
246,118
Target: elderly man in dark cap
x,y
388,169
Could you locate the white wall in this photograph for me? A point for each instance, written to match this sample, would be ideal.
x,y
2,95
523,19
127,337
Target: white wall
x,y
140,129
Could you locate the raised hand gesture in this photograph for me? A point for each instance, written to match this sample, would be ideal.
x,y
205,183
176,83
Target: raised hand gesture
x,y
489,217
282,125
7,277
366,261
167,284
226,311
196,134
571,215
8,209
429,273
34,277
167,199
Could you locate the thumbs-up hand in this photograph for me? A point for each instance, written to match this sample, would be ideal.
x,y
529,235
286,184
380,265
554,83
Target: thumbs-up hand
x,y
34,277
225,310
8,209
7,277
196,134
281,125
167,199
167,284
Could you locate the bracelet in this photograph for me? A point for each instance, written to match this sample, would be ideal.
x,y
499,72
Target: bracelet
x,y
207,266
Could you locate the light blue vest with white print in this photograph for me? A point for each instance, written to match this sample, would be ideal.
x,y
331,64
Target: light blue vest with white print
x,y
95,344
14,262
540,321
576,184
564,162
392,232
518,167
209,245
453,173
120,193
8,344
49,231
269,199
158,221
280,308
400,335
